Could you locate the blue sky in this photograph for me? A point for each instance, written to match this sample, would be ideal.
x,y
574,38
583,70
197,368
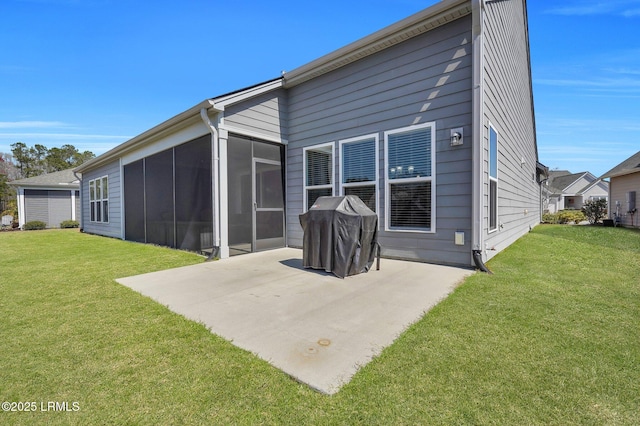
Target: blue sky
x,y
94,73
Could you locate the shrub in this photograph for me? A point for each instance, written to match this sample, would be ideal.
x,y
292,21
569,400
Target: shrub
x,y
595,210
568,216
550,218
34,225
69,224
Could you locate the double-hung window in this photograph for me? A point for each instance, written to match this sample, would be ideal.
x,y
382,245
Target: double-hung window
x,y
493,179
99,199
410,178
318,173
358,166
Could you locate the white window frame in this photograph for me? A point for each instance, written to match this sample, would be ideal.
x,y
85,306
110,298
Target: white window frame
x,y
389,182
374,183
305,187
97,199
493,179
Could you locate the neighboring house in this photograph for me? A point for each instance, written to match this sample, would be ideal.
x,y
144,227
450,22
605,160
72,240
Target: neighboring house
x,y
569,191
624,187
50,198
430,121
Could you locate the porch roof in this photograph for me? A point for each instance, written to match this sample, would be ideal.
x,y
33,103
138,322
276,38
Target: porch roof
x,y
64,179
628,166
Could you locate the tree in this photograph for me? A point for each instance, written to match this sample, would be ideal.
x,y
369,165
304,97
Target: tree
x,y
23,158
8,168
37,160
66,157
595,210
8,172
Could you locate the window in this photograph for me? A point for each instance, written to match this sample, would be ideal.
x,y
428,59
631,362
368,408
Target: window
x,y
99,199
318,173
493,179
358,169
410,178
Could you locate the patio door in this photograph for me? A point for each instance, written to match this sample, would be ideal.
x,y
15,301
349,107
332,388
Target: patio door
x,y
255,182
268,204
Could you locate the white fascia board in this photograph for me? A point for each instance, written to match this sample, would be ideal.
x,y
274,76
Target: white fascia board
x,y
591,185
49,187
219,104
151,134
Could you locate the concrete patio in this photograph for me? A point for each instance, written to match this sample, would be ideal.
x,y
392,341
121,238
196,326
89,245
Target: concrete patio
x,y
316,327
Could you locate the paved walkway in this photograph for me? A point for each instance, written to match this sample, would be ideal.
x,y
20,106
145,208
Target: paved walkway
x,y
312,325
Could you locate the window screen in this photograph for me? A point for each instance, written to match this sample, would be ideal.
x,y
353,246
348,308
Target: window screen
x,y
493,179
409,154
99,200
319,167
358,177
318,173
411,205
409,172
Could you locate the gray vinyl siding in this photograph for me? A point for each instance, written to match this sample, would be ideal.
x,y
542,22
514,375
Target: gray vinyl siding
x,y
508,108
424,79
48,206
264,114
113,228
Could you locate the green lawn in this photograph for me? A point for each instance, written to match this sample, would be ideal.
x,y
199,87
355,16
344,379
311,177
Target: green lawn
x,y
553,337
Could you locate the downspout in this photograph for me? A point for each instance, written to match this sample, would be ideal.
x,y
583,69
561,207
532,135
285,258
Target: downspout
x,y
478,131
80,200
21,211
215,252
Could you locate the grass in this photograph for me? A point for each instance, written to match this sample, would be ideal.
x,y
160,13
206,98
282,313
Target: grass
x,y
553,337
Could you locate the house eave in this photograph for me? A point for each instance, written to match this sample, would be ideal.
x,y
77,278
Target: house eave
x,y
172,124
619,174
60,187
419,23
185,118
221,102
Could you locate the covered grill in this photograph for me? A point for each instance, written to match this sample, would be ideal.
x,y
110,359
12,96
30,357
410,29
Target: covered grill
x,y
340,235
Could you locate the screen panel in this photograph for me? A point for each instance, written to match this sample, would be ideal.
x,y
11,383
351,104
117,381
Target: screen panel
x,y
159,198
134,202
194,207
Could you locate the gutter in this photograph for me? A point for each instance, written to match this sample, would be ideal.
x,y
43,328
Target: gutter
x,y
149,136
477,239
215,252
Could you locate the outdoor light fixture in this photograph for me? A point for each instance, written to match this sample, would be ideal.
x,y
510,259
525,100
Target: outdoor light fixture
x,y
456,136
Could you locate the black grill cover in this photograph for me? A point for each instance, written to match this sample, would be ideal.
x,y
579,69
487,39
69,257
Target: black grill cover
x,y
340,235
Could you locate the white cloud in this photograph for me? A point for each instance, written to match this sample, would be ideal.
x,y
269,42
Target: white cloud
x,y
584,125
62,136
626,8
606,83
623,70
31,124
